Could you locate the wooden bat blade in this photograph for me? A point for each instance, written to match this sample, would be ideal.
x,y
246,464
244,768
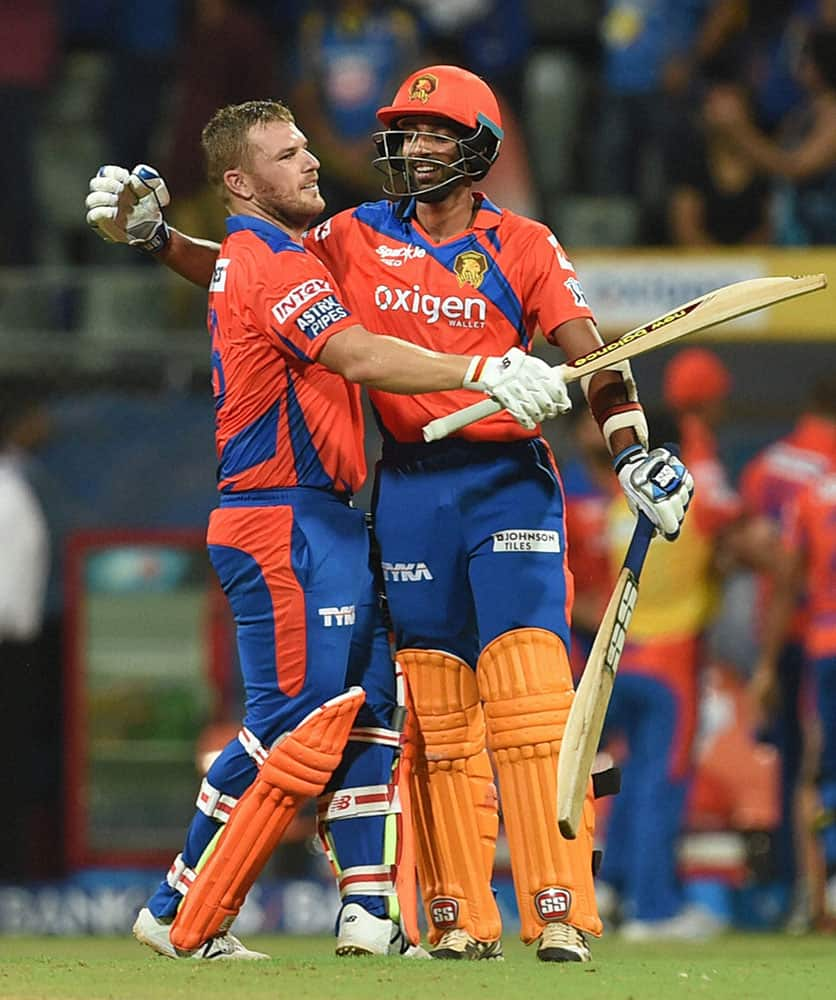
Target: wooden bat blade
x,y
719,306
585,722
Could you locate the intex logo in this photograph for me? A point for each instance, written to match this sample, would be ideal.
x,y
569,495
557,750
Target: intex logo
x,y
298,296
337,616
397,256
553,904
444,912
405,572
468,312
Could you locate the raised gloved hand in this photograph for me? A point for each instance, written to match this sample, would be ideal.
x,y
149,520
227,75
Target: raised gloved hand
x,y
656,483
127,207
529,389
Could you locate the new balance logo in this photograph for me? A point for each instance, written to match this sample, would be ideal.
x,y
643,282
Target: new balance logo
x,y
337,616
406,572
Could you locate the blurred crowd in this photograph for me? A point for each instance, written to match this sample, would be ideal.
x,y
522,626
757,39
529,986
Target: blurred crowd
x,y
691,122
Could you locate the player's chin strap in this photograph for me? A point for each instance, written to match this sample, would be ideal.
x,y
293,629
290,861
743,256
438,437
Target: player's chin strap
x,y
394,876
611,411
296,767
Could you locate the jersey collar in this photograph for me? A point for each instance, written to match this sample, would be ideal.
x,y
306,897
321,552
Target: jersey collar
x,y
274,234
488,215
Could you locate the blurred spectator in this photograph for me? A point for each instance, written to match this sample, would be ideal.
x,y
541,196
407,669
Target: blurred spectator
x,y
24,570
351,56
651,51
29,40
807,565
717,196
142,42
804,159
655,702
654,709
228,55
770,484
491,38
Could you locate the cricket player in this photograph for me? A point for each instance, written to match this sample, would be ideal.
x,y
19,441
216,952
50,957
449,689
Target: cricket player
x,y
292,553
807,565
471,529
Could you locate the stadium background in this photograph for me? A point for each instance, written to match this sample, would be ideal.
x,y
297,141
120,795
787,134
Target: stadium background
x,y
137,660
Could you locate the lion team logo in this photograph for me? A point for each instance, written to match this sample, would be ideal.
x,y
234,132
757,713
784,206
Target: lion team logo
x,y
422,87
470,268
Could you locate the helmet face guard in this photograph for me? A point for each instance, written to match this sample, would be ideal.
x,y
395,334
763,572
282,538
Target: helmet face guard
x,y
475,154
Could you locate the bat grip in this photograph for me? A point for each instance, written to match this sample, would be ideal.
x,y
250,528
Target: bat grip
x,y
640,542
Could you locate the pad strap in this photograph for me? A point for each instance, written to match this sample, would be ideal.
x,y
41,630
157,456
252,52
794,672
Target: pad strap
x,y
368,800
367,880
180,876
213,803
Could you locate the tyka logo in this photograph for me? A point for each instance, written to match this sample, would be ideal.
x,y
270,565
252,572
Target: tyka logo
x,y
337,616
405,572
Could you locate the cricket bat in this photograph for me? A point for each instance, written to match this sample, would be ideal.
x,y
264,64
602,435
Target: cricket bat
x,y
589,706
715,307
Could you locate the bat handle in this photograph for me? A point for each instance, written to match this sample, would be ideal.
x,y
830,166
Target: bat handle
x,y
640,542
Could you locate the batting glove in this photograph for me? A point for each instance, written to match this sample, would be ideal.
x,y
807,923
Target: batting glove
x,y
127,207
656,483
529,389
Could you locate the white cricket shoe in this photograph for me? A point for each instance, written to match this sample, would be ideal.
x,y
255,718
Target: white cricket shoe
x,y
563,943
692,923
458,944
154,932
361,933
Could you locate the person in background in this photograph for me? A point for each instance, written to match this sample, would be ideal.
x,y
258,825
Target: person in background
x,y
770,484
654,706
802,157
806,565
24,572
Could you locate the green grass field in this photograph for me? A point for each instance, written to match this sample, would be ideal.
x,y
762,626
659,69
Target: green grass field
x,y
738,967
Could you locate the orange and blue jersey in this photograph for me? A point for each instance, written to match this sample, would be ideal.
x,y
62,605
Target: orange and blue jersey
x,y
482,292
775,477
280,419
812,530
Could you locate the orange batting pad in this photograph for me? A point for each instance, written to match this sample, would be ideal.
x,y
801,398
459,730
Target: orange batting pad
x,y
453,796
298,767
526,686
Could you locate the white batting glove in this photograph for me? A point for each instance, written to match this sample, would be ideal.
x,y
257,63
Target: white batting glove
x,y
656,483
127,207
529,389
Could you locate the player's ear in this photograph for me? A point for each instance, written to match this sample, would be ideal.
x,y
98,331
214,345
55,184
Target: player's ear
x,y
238,183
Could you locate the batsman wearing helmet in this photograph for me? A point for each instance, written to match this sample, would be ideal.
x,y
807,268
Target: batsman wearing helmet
x,y
471,529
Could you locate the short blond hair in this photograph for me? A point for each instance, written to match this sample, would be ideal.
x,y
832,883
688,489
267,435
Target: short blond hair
x,y
225,138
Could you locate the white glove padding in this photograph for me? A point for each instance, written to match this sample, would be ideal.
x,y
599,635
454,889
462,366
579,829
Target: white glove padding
x,y
127,207
656,483
529,389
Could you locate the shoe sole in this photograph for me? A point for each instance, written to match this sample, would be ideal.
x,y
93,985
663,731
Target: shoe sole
x,y
561,955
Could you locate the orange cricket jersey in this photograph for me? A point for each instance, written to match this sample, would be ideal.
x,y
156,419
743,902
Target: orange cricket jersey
x,y
280,419
812,526
482,292
774,478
